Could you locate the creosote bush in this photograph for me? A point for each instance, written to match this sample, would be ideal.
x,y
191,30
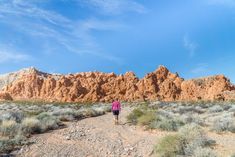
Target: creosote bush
x,y
135,115
186,142
48,122
147,118
203,152
224,124
9,128
31,126
169,146
167,124
153,119
8,145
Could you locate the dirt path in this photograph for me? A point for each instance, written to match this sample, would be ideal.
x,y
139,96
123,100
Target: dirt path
x,y
99,137
96,137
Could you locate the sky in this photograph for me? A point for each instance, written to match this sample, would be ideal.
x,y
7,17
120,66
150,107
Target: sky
x,y
193,38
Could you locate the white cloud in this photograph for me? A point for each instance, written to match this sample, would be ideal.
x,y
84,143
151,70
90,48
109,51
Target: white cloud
x,y
95,24
6,56
115,6
75,36
200,68
190,45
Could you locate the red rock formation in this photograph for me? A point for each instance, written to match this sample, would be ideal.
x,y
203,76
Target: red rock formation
x,y
208,88
5,96
96,86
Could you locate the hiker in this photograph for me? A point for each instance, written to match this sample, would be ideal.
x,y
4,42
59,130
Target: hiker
x,y
116,108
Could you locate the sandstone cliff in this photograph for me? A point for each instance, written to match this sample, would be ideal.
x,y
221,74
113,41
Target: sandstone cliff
x,y
31,84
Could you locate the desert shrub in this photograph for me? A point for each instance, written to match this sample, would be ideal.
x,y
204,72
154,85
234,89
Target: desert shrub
x,y
32,113
232,108
167,124
226,107
47,122
205,105
102,108
193,137
9,128
66,117
89,112
16,116
184,109
154,119
30,126
215,108
192,118
203,152
134,115
156,105
8,145
167,114
224,124
43,115
169,146
67,114
186,142
147,118
199,110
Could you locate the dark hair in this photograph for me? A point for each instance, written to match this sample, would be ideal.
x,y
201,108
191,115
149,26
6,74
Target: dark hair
x,y
116,99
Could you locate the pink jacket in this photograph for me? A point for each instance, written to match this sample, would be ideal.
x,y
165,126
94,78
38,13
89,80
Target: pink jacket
x,y
116,106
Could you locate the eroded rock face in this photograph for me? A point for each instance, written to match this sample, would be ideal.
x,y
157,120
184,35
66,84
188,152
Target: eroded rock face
x,y
104,87
5,96
208,88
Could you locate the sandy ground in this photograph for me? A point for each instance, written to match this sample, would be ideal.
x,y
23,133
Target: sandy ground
x,y
99,137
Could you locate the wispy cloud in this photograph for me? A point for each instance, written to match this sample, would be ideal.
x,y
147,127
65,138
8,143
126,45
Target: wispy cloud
x,y
74,36
6,56
115,6
200,68
190,45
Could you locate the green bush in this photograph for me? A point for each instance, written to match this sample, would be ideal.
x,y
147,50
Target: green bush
x,y
9,128
89,112
224,124
8,145
169,146
147,118
169,124
48,122
134,115
187,142
30,126
203,152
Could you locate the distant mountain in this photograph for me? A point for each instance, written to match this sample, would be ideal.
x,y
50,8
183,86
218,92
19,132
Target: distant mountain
x,y
32,84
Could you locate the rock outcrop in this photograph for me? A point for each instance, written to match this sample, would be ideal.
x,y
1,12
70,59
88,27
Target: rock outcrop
x,y
5,96
31,84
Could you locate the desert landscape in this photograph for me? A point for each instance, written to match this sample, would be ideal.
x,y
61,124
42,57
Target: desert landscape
x,y
162,115
117,78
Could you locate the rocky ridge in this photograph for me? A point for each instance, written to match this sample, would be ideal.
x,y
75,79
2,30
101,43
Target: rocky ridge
x,y
32,84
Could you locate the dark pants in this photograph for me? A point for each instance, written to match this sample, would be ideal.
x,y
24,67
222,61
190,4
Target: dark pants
x,y
116,113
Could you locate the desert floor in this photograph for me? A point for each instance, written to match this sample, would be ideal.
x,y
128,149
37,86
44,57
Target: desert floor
x,y
99,137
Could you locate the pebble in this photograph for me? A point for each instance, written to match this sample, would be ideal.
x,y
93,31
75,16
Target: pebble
x,y
68,138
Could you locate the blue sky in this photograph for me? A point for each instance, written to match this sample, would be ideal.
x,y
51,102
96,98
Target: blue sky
x,y
193,38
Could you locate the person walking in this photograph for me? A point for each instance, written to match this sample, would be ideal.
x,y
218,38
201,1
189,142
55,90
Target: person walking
x,y
116,108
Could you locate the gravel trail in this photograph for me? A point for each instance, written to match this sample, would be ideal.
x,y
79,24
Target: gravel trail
x,y
94,137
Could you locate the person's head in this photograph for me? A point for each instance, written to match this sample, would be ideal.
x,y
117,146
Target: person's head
x,y
116,99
